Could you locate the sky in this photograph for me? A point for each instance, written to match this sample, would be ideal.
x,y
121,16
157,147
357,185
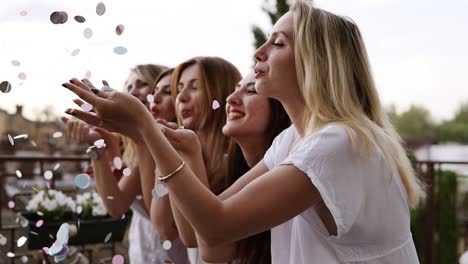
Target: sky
x,y
418,49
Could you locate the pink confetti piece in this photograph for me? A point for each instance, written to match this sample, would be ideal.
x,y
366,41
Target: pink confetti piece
x,y
118,259
22,76
215,105
11,204
39,223
87,107
57,134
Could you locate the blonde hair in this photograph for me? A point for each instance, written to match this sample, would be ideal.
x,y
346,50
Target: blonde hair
x,y
335,80
218,80
149,74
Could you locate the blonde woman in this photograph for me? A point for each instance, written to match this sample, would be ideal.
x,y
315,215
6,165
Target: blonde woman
x,y
129,191
334,188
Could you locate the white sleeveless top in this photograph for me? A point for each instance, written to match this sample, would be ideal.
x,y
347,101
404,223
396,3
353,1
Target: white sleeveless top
x,y
145,245
364,195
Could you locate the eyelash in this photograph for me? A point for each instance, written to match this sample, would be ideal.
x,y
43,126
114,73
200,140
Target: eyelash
x,y
277,44
251,91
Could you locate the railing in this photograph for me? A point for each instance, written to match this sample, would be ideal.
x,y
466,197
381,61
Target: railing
x,y
429,171
37,167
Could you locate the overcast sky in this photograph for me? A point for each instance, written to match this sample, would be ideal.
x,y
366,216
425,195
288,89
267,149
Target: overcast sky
x,y
418,49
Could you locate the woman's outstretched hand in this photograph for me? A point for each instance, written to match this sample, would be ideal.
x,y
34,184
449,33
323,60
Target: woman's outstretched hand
x,y
113,111
185,141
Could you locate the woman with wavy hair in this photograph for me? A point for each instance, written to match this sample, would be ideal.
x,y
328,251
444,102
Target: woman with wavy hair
x,y
336,187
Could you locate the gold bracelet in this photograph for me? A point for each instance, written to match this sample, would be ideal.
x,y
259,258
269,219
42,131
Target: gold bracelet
x,y
166,178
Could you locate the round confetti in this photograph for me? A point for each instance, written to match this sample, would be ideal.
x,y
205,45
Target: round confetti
x,y
82,181
5,87
39,223
62,233
24,259
57,134
88,75
39,213
107,89
24,222
75,52
215,105
48,175
23,13
22,76
167,244
88,33
160,190
150,98
58,17
21,241
10,138
108,237
139,197
15,63
11,204
79,209
3,240
10,254
127,172
80,19
119,29
99,143
118,163
118,259
19,174
120,50
100,9
87,107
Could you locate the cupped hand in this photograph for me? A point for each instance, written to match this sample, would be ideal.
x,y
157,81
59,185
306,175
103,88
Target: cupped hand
x,y
114,111
185,141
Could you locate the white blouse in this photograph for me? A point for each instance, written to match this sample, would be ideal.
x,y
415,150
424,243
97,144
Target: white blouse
x,y
364,195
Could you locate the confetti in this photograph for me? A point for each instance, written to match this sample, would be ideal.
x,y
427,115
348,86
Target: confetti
x,y
215,105
88,75
21,241
39,213
62,233
139,197
110,197
118,163
19,174
10,254
57,134
127,172
167,244
99,143
3,240
79,209
107,89
11,204
150,98
88,33
80,19
33,143
87,107
82,181
34,233
118,259
55,248
120,50
100,9
15,63
119,29
24,259
39,223
21,136
22,76
57,166
48,175
24,222
108,237
10,138
58,17
5,87
160,190
75,52
23,13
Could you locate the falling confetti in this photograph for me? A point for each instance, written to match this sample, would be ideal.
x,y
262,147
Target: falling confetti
x,y
33,143
99,143
58,17
22,76
5,87
100,9
39,223
75,52
150,98
82,181
107,89
80,19
39,213
24,259
10,254
11,204
139,197
120,50
19,174
118,259
110,197
15,63
127,172
87,107
160,190
10,138
23,13
119,29
88,75
24,222
34,233
48,175
3,240
167,244
21,136
88,33
57,134
57,166
118,163
215,105
79,209
21,241
62,233
108,237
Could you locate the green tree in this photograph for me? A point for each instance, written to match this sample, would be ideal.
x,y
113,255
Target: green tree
x,y
414,123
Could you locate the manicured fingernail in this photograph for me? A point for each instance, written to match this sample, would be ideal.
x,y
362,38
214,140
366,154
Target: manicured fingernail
x,y
64,85
94,90
71,81
70,112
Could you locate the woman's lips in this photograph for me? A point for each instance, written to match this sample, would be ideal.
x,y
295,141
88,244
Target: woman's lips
x,y
186,113
155,111
234,115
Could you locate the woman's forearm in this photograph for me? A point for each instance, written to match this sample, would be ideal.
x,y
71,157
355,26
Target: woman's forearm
x,y
147,168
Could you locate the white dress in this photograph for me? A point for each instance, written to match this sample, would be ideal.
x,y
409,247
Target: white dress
x,y
145,245
364,195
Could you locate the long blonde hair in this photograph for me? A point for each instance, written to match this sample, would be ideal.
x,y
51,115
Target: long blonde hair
x,y
218,80
148,73
336,82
